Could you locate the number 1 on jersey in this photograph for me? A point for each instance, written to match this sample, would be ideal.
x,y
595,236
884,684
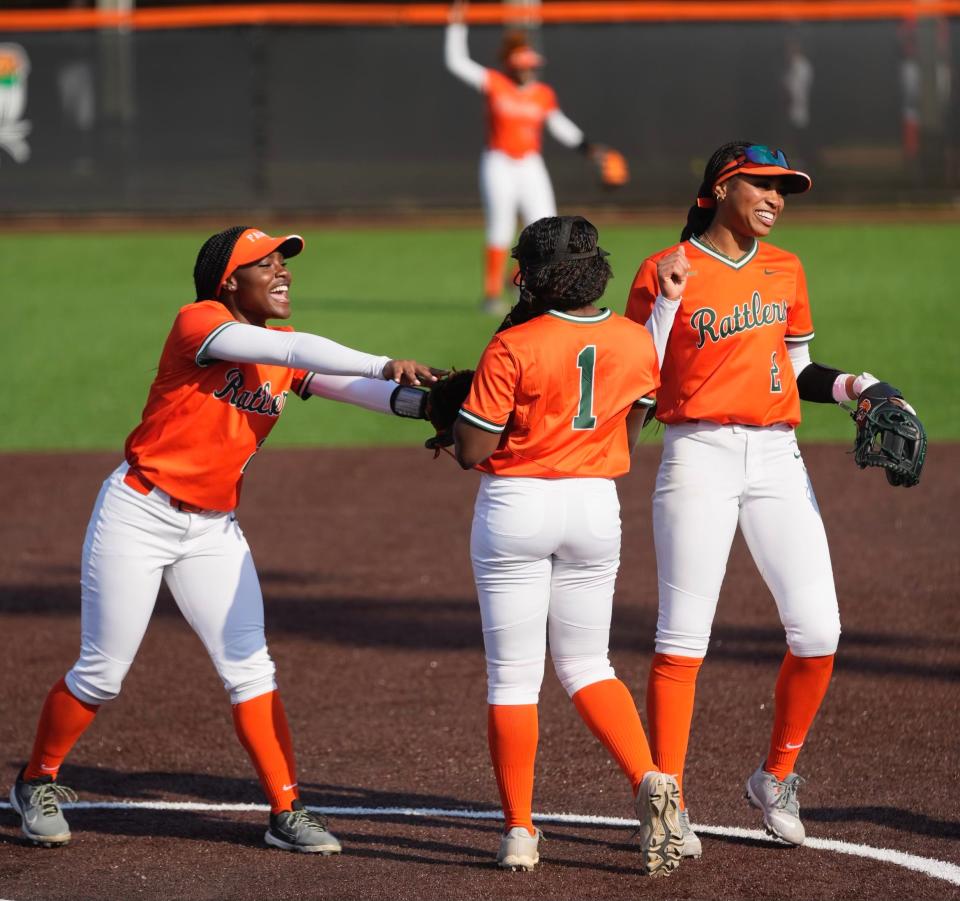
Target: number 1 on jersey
x,y
586,361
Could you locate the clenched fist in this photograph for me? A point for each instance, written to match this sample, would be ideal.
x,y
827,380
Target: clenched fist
x,y
672,272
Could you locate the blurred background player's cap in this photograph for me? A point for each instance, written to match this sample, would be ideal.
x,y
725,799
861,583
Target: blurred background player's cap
x,y
516,52
253,244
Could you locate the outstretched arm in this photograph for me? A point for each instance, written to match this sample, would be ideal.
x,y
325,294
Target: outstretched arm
x,y
242,343
565,132
370,394
456,56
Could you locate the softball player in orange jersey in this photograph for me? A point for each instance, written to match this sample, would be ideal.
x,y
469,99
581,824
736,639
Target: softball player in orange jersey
x,y
167,512
732,324
513,177
546,423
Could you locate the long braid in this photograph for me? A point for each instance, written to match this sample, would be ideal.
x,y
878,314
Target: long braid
x,y
212,261
699,218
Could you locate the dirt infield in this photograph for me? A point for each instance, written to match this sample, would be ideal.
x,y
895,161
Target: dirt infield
x,y
372,620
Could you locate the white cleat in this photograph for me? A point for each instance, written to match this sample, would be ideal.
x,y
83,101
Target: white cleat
x,y
691,841
661,834
519,849
777,801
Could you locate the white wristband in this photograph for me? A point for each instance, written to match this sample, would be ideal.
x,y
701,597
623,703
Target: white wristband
x,y
862,382
840,394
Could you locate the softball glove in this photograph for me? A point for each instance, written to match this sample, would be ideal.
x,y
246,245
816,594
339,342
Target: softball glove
x,y
444,400
889,435
612,167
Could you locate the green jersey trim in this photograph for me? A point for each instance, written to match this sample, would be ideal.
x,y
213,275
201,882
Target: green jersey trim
x,y
603,314
723,258
484,424
201,357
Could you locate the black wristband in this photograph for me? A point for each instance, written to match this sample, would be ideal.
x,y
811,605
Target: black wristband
x,y
815,383
880,391
409,402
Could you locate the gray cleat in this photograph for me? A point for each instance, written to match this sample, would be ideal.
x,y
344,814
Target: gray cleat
x,y
778,802
661,836
37,802
299,830
691,841
519,850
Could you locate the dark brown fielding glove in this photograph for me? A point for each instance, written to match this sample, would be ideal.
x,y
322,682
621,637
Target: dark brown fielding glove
x,y
444,400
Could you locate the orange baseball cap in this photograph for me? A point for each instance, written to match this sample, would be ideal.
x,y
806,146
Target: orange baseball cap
x,y
253,245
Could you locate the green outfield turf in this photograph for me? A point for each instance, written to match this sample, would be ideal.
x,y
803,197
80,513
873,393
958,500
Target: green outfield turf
x,y
87,315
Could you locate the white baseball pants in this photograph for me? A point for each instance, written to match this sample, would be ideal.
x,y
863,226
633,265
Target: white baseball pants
x,y
711,479
545,557
133,541
512,187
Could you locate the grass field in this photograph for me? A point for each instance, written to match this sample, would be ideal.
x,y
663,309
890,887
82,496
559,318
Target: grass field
x,y
88,313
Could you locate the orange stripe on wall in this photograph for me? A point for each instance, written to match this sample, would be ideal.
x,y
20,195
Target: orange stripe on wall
x,y
393,14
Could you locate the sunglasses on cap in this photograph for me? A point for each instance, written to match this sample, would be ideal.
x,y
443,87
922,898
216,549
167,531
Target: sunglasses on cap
x,y
757,155
764,156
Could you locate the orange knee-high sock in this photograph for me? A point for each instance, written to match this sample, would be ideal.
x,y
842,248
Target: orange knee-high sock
x,y
670,693
495,263
261,725
512,734
801,687
608,709
63,720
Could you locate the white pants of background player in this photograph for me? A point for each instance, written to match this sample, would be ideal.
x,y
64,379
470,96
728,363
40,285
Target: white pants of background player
x,y
545,557
511,188
712,478
132,542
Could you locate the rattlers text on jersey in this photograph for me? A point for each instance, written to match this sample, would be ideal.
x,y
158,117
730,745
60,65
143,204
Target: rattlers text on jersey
x,y
559,388
516,113
205,418
726,359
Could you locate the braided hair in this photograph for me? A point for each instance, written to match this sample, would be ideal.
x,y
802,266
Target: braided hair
x,y
212,261
699,218
548,283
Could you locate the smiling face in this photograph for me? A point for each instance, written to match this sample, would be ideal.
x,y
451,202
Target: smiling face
x,y
751,204
259,291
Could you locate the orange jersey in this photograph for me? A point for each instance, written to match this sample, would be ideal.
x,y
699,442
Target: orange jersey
x,y
516,113
726,358
559,388
205,419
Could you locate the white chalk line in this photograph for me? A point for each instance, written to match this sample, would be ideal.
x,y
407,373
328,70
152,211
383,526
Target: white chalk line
x,y
938,869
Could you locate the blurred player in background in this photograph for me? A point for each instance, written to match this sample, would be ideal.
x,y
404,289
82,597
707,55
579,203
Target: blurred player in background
x,y
736,363
167,513
513,177
547,423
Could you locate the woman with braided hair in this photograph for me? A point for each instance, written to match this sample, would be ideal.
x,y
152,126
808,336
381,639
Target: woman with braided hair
x,y
168,512
731,320
546,423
